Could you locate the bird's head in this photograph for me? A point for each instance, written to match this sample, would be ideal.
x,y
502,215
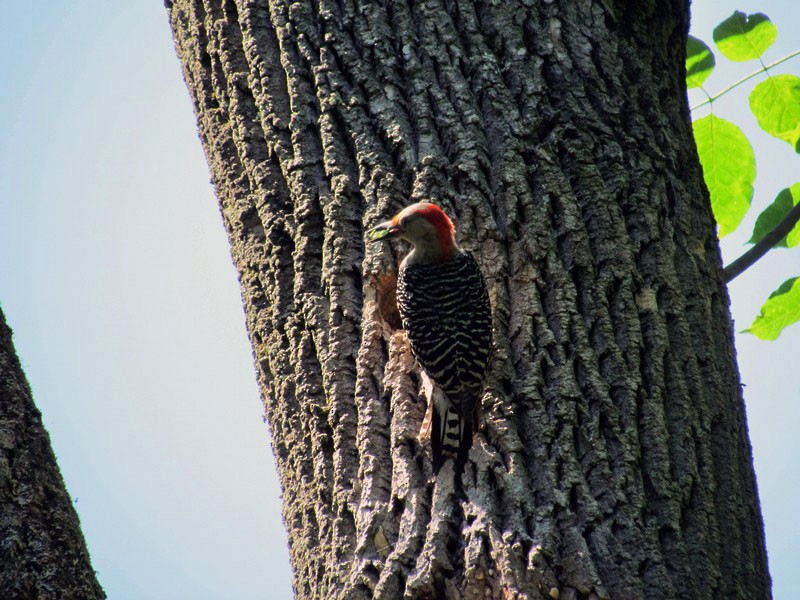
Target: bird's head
x,y
426,226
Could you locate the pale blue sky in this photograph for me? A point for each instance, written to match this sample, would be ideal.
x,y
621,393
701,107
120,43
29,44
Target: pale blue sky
x,y
116,278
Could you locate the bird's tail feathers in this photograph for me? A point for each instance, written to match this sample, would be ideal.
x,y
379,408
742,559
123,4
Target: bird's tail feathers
x,y
451,435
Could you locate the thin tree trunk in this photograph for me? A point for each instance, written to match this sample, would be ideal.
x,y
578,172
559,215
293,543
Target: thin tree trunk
x,y
613,458
43,555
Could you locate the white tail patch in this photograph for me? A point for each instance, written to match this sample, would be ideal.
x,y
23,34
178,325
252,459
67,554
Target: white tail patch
x,y
451,430
448,430
450,433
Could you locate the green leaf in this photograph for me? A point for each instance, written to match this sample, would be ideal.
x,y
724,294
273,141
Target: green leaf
x,y
743,37
784,202
781,309
699,62
776,104
729,168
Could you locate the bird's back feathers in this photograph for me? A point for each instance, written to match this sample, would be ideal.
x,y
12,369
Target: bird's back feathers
x,y
446,313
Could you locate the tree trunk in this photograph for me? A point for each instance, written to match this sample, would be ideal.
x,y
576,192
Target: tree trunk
x,y
42,552
612,460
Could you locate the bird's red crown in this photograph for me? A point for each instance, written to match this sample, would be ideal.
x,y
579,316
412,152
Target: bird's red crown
x,y
445,229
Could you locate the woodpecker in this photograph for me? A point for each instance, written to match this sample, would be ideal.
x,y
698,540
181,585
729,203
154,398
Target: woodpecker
x,y
444,307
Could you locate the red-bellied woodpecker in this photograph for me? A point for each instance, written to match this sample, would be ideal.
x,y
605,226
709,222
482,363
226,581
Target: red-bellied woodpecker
x,y
445,310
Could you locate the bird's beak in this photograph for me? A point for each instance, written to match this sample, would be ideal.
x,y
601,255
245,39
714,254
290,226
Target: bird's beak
x,y
384,231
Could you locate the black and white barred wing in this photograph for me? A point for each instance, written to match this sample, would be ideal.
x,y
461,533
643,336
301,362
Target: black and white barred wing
x,y
445,311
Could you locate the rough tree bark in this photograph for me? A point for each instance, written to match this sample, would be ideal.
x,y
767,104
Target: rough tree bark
x,y
613,459
42,551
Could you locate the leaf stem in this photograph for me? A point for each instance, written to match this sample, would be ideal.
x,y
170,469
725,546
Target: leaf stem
x,y
764,245
763,69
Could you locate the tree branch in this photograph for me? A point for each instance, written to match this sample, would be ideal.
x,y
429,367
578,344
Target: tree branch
x,y
763,69
763,246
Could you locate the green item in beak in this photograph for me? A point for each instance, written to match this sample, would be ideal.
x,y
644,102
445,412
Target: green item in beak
x,y
382,231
